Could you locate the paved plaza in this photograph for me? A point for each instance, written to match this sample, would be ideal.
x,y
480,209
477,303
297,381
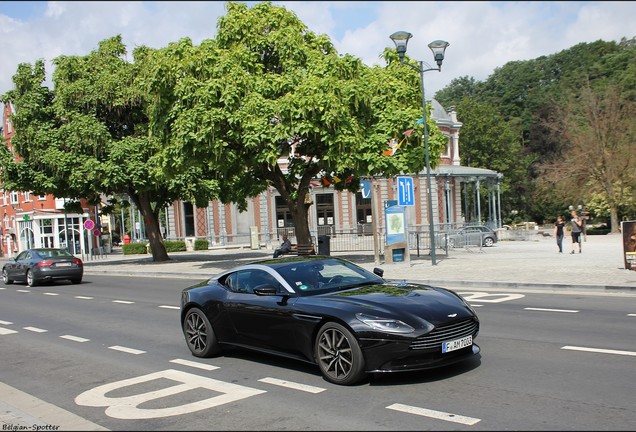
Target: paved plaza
x,y
529,263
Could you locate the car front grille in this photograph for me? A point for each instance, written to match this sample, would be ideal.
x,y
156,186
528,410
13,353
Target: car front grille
x,y
434,339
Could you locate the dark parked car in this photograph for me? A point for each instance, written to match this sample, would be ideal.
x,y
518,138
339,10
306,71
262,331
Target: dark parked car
x,y
330,312
476,235
35,266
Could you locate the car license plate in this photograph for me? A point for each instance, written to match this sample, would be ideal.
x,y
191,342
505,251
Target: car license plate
x,y
63,264
457,344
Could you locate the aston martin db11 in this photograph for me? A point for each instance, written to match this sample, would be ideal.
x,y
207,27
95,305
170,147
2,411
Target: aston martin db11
x,y
330,312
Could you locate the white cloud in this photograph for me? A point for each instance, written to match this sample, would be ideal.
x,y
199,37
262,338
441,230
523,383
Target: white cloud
x,y
483,35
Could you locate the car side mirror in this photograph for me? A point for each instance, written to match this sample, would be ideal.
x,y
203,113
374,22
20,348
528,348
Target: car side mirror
x,y
378,271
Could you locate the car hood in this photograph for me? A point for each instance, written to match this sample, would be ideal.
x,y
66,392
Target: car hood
x,y
433,304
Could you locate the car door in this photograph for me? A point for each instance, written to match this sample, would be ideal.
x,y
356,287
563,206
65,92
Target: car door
x,y
17,268
261,321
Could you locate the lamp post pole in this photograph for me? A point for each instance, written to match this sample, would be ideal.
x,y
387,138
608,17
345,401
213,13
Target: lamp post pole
x,y
429,194
438,47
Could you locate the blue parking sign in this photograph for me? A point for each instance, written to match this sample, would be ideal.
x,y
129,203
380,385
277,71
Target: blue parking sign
x,y
406,193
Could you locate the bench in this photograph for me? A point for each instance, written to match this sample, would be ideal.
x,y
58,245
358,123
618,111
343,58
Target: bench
x,y
303,249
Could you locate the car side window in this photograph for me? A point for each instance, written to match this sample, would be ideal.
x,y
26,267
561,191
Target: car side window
x,y
244,281
23,255
262,278
230,281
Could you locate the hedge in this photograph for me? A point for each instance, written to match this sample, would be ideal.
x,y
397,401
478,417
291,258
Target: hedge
x,y
175,245
201,244
134,248
143,248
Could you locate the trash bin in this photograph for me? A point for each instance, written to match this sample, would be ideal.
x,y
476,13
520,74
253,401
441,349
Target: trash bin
x,y
324,245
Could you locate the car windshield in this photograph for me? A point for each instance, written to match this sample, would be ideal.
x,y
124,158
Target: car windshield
x,y
311,277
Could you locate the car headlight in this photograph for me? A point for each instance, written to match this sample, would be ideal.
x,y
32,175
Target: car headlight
x,y
387,325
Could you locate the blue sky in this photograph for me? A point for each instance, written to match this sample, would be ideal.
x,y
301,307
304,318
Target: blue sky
x,y
483,35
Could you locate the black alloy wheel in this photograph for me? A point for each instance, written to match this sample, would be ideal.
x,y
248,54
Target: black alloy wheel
x,y
199,334
338,355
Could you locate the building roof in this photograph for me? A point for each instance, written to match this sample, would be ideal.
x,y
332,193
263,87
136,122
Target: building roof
x,y
471,173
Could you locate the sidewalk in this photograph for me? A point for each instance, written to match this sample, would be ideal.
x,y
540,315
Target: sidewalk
x,y
531,263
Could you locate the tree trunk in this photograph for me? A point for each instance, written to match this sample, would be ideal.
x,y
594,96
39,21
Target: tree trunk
x,y
151,222
299,210
614,225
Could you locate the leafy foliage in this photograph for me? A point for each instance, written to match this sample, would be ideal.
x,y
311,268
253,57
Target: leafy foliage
x,y
532,97
268,88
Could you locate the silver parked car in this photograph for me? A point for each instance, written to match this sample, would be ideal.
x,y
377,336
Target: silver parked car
x,y
474,235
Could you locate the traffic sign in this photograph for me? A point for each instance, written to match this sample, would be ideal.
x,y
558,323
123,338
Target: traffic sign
x,y
406,193
96,232
89,224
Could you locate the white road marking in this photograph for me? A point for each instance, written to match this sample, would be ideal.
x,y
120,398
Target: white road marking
x,y
5,323
484,297
126,350
552,310
84,298
6,331
600,350
474,305
23,290
74,338
631,314
169,307
123,302
35,329
194,364
440,415
126,407
292,385
50,294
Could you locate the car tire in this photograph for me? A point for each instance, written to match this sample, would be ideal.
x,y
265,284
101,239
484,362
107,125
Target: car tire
x,y
488,242
5,277
451,243
338,355
199,334
30,279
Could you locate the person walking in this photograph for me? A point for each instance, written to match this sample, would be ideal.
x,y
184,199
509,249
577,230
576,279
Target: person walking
x,y
577,223
559,225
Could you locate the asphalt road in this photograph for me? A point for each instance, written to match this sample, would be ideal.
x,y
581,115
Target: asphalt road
x,y
550,361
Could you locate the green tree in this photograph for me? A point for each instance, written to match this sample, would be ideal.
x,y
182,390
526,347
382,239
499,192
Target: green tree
x,y
487,141
529,95
268,88
90,137
599,155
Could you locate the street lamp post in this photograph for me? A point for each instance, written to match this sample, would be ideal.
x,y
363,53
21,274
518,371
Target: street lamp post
x,y
401,39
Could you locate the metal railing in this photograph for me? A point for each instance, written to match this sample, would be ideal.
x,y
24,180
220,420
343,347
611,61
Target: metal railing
x,y
360,238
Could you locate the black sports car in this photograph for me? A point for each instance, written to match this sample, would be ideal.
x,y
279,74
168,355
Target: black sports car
x,y
330,312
